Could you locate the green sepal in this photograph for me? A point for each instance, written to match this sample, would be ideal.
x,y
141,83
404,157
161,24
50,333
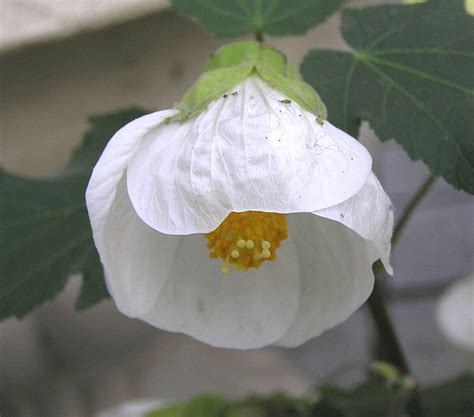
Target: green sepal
x,y
211,85
295,89
233,63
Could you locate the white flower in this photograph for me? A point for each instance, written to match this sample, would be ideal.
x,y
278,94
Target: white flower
x,y
138,408
455,314
300,256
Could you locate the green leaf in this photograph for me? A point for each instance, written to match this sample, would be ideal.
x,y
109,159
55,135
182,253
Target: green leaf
x,y
204,406
324,408
277,405
208,406
45,233
453,398
233,18
372,399
176,410
410,76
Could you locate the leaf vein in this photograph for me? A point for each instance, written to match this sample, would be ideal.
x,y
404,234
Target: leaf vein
x,y
428,51
349,78
421,74
418,104
219,10
398,29
292,13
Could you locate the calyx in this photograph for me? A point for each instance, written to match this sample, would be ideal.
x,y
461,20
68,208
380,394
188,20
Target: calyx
x,y
233,63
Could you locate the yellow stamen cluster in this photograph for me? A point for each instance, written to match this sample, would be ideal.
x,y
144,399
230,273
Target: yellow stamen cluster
x,y
245,240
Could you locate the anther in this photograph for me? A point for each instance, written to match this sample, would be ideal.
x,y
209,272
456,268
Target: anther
x,y
243,240
266,244
241,243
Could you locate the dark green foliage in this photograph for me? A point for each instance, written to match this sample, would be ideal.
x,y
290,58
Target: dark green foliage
x,y
278,405
233,18
411,76
45,233
453,398
372,399
205,406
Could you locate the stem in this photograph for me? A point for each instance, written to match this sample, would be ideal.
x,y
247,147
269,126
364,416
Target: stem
x,y
391,343
412,205
385,328
259,36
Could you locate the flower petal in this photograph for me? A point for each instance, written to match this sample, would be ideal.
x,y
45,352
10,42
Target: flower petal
x,y
370,214
336,275
243,310
159,184
110,167
135,257
252,149
455,314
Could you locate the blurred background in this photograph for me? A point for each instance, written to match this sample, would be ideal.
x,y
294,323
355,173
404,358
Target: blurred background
x,y
63,60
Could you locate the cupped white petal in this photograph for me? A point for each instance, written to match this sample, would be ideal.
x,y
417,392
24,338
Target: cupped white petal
x,y
240,310
335,275
160,188
252,149
455,314
110,167
135,257
369,213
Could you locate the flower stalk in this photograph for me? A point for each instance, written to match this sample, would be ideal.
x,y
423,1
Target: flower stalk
x,y
390,342
388,337
412,206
